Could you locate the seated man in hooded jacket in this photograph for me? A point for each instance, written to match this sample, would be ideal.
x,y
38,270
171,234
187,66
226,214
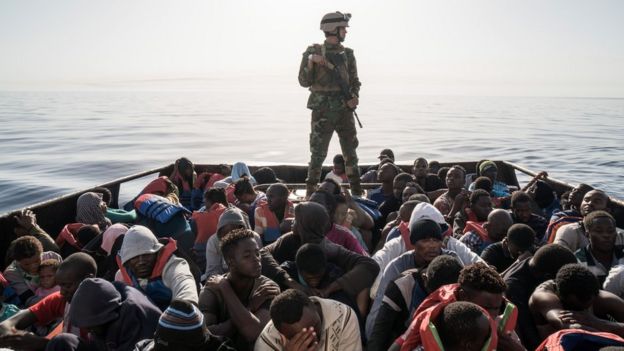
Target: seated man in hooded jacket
x,y
154,268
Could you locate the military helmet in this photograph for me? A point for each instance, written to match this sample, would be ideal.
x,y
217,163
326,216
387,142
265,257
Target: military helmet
x,y
333,20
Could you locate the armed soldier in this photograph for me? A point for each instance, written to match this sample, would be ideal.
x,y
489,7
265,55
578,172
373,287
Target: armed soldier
x,y
329,71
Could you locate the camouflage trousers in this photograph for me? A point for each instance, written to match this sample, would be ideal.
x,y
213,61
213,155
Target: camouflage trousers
x,y
323,125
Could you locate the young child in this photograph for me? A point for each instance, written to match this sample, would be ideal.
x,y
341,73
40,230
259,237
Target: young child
x,y
23,273
47,281
338,171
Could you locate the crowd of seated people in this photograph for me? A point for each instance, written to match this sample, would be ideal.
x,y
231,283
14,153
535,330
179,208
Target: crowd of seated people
x,y
433,258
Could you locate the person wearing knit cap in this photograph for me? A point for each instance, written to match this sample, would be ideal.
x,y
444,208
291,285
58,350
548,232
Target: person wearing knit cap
x,y
236,304
154,268
398,245
426,237
232,218
487,168
116,315
181,327
90,209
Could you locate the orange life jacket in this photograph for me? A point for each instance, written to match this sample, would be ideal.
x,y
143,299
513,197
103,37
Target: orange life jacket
x,y
477,227
206,222
554,226
272,226
157,186
164,254
155,290
206,180
68,235
430,339
444,296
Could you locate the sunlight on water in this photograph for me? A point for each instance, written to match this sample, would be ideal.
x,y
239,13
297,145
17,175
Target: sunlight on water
x,y
53,142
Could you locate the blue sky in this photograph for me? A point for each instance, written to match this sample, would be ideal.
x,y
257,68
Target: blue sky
x,y
482,47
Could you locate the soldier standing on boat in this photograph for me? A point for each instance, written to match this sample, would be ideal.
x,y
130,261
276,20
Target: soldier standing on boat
x,y
329,71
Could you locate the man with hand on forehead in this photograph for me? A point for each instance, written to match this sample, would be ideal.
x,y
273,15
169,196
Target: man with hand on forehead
x,y
299,322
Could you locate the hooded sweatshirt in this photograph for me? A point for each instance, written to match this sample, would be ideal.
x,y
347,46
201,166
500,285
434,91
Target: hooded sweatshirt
x,y
176,274
394,248
239,169
131,315
311,224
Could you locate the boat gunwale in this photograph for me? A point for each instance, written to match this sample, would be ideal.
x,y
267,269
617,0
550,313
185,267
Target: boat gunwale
x,y
54,213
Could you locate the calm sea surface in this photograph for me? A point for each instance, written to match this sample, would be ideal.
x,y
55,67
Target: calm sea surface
x,y
56,142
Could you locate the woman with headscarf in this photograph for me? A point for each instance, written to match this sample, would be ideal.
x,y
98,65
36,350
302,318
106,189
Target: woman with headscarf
x,y
90,209
311,224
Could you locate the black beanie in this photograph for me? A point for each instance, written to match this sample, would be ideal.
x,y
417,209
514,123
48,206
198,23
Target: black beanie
x,y
424,229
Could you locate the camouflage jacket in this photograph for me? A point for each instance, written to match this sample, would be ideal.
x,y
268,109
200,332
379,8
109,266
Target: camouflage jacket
x,y
324,90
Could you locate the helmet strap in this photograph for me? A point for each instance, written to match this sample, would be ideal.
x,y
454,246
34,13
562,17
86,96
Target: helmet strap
x,y
335,33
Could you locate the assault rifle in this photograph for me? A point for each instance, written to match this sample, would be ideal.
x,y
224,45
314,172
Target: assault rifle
x,y
332,64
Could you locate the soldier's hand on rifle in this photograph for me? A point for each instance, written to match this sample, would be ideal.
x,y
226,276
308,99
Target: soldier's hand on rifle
x,y
353,103
318,59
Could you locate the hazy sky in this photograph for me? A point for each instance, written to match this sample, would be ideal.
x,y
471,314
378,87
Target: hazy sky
x,y
495,47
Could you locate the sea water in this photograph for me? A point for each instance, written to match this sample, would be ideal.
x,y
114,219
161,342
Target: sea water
x,y
54,142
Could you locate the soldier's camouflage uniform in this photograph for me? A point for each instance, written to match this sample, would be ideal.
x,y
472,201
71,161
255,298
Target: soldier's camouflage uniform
x,y
330,112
